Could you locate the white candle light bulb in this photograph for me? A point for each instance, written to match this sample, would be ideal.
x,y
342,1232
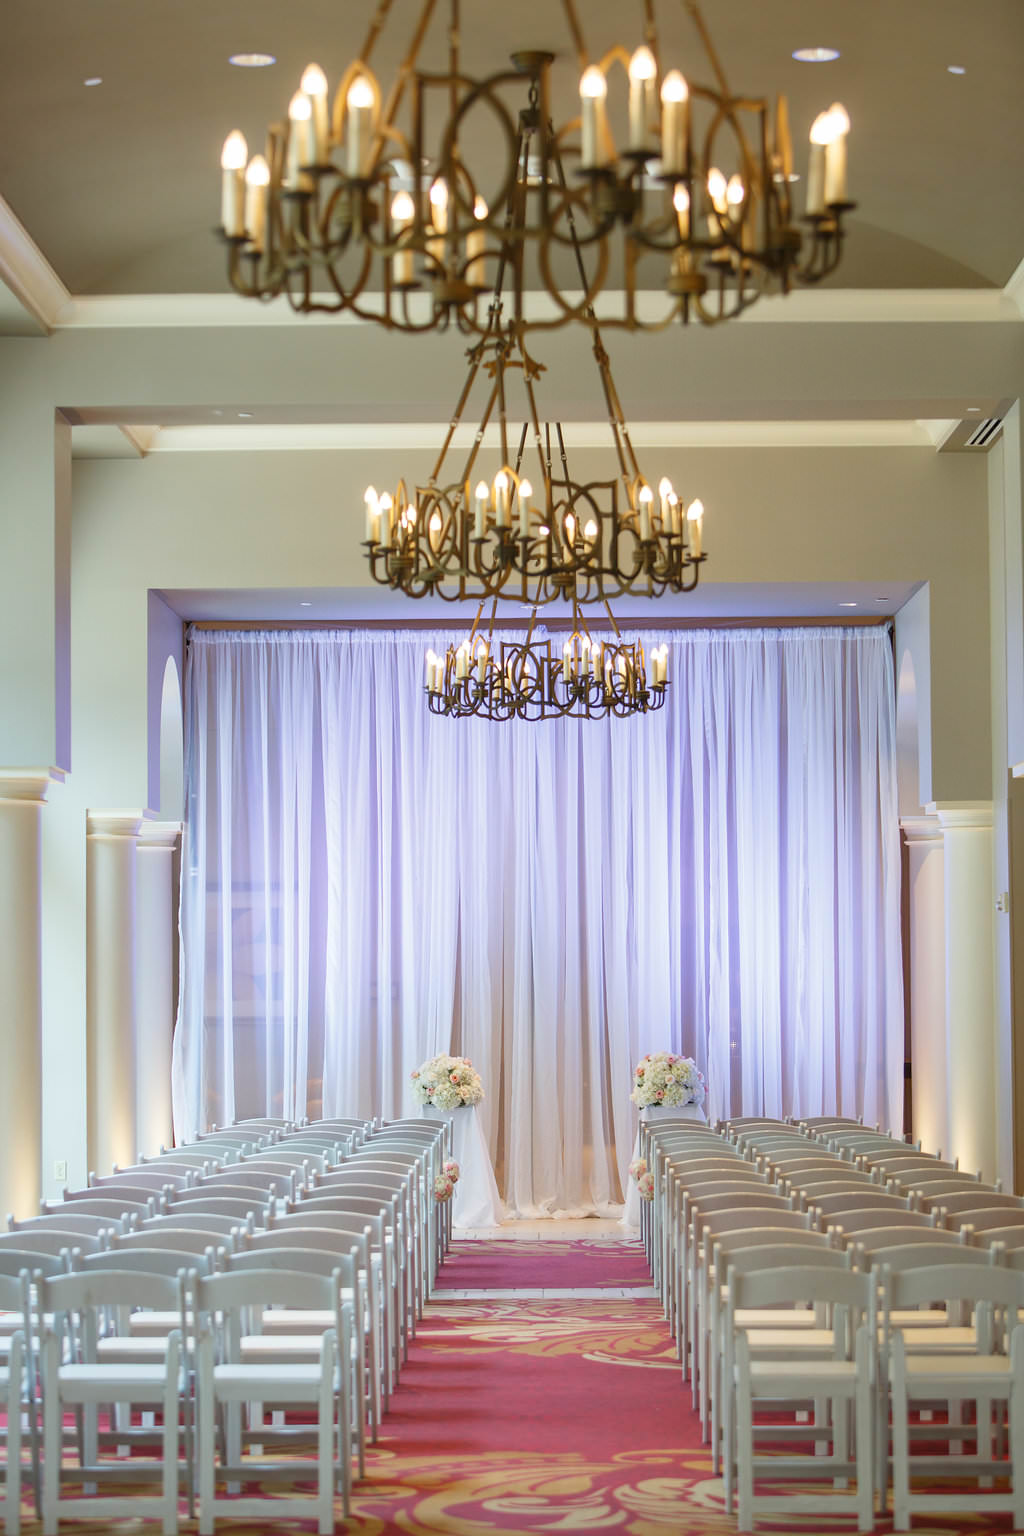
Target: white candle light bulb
x,y
359,102
590,531
835,154
675,97
717,190
501,499
643,72
645,498
434,529
257,179
403,212
314,85
525,492
734,195
232,181
593,91
235,152
821,134
439,205
695,518
300,149
372,515
681,204
570,528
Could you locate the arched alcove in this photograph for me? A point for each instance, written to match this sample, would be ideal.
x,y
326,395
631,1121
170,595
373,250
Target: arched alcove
x,y
172,746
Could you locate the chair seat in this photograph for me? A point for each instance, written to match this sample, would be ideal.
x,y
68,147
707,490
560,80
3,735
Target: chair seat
x,y
931,1370
937,1340
762,1340
268,1383
918,1317
156,1322
104,1383
293,1320
128,1349
767,1317
788,1378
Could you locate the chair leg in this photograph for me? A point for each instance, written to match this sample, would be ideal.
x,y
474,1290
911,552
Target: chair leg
x,y
863,1404
205,1434
52,1434
900,1444
744,1441
325,1439
12,1479
1015,1413
170,1443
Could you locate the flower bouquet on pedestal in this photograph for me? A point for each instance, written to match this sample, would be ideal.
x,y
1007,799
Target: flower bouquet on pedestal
x,y
447,1082
665,1081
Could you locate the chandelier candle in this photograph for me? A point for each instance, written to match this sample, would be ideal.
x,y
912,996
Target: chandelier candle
x,y
835,156
593,124
360,125
300,148
675,97
643,75
232,201
314,85
403,212
257,179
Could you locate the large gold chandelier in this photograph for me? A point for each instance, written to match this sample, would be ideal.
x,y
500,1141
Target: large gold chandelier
x,y
397,204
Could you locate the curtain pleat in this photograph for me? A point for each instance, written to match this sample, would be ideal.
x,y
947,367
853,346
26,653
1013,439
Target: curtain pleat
x,y
365,884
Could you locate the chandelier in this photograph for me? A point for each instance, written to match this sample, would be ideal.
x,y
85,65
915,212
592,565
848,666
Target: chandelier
x,y
502,537
589,679
396,205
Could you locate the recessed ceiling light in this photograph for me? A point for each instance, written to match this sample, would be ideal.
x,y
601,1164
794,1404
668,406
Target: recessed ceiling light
x,y
245,415
252,60
974,410
93,80
305,605
847,605
881,599
815,55
956,69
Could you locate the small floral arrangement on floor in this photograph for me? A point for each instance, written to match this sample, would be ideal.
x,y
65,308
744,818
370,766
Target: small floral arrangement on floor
x,y
447,1082
451,1170
645,1186
667,1080
637,1168
444,1187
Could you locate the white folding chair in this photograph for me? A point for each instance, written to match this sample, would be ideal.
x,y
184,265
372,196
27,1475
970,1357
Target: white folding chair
x,y
982,1376
844,1378
225,1382
75,1377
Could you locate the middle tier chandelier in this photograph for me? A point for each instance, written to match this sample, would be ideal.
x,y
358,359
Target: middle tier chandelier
x,y
391,204
502,537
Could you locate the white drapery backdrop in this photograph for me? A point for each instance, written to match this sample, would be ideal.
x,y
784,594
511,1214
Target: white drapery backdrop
x,y
365,884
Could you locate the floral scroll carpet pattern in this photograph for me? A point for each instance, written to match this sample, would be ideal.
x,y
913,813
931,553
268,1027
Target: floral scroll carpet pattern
x,y
520,1416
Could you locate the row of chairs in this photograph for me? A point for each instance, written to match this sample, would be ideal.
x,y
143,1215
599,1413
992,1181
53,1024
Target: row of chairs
x,y
264,1263
837,1267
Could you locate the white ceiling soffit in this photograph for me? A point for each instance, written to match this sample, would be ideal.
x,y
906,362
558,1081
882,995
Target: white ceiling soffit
x,y
31,293
820,306
97,441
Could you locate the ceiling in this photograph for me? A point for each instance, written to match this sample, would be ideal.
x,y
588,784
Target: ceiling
x,y
117,183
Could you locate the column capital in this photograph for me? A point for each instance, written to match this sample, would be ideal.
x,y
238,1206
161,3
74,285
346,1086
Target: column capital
x,y
28,783
160,836
962,815
116,823
921,829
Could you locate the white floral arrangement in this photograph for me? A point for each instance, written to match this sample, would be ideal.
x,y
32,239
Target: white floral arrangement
x,y
645,1185
638,1167
451,1170
444,1188
447,1082
667,1080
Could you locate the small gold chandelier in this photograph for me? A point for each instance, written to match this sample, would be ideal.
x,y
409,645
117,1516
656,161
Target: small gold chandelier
x,y
394,205
500,537
591,678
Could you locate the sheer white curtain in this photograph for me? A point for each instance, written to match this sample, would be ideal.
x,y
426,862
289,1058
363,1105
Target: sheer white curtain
x,y
365,884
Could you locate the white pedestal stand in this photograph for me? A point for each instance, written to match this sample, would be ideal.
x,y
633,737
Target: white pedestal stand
x,y
476,1202
631,1214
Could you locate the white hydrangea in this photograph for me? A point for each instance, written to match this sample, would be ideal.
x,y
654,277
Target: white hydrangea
x,y
668,1080
447,1082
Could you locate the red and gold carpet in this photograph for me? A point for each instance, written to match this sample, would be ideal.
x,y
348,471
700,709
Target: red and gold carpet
x,y
534,1416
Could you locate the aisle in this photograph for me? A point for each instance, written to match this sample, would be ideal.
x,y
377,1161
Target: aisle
x,y
542,1394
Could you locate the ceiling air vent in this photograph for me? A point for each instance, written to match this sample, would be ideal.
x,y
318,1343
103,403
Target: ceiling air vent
x,y
985,433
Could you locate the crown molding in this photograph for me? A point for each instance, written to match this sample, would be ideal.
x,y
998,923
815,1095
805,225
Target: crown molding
x,y
424,436
820,306
1014,290
28,783
27,273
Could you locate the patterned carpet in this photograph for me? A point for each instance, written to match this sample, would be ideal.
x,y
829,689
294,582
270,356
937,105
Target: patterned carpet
x,y
525,1416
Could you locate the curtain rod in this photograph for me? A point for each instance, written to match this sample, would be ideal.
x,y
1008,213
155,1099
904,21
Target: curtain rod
x,y
860,621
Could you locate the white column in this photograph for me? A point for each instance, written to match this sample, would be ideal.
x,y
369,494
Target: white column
x,y
970,1014
155,938
927,981
110,986
22,792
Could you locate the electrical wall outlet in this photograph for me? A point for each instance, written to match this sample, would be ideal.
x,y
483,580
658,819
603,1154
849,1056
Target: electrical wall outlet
x,y
60,1170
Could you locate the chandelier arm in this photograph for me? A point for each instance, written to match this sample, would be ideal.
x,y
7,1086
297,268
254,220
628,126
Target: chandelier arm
x,y
519,452
577,33
709,48
476,358
615,627
377,25
405,69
